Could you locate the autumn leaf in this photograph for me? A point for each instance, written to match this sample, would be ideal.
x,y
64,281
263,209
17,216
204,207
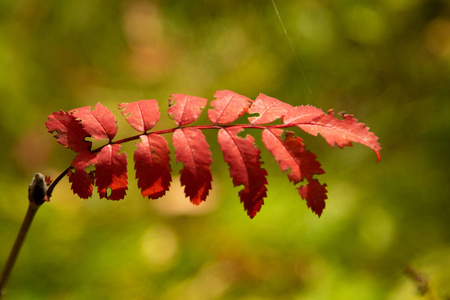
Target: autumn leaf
x,y
243,158
82,182
291,155
100,123
152,166
228,107
192,150
111,173
141,115
152,160
185,109
268,108
302,114
68,131
335,131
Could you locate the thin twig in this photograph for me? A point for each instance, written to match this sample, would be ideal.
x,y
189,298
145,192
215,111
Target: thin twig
x,y
31,212
55,182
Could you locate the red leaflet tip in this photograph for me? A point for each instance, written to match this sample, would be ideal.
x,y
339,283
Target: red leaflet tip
x,y
378,156
315,195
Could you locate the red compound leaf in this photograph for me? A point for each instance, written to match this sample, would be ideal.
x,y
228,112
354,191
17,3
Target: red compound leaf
x,y
228,107
82,182
193,151
152,166
68,131
335,131
291,155
111,173
186,109
315,194
141,115
268,108
243,158
100,123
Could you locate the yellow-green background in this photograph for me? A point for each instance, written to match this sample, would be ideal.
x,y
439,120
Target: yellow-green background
x,y
387,62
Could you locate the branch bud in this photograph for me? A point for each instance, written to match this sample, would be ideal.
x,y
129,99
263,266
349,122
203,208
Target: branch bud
x,y
37,189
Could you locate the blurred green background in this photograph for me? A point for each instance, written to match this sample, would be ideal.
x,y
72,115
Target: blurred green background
x,y
387,62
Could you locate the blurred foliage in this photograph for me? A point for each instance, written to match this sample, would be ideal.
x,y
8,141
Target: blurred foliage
x,y
387,62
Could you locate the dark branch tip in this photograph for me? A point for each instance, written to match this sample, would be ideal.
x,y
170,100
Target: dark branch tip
x,y
37,189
